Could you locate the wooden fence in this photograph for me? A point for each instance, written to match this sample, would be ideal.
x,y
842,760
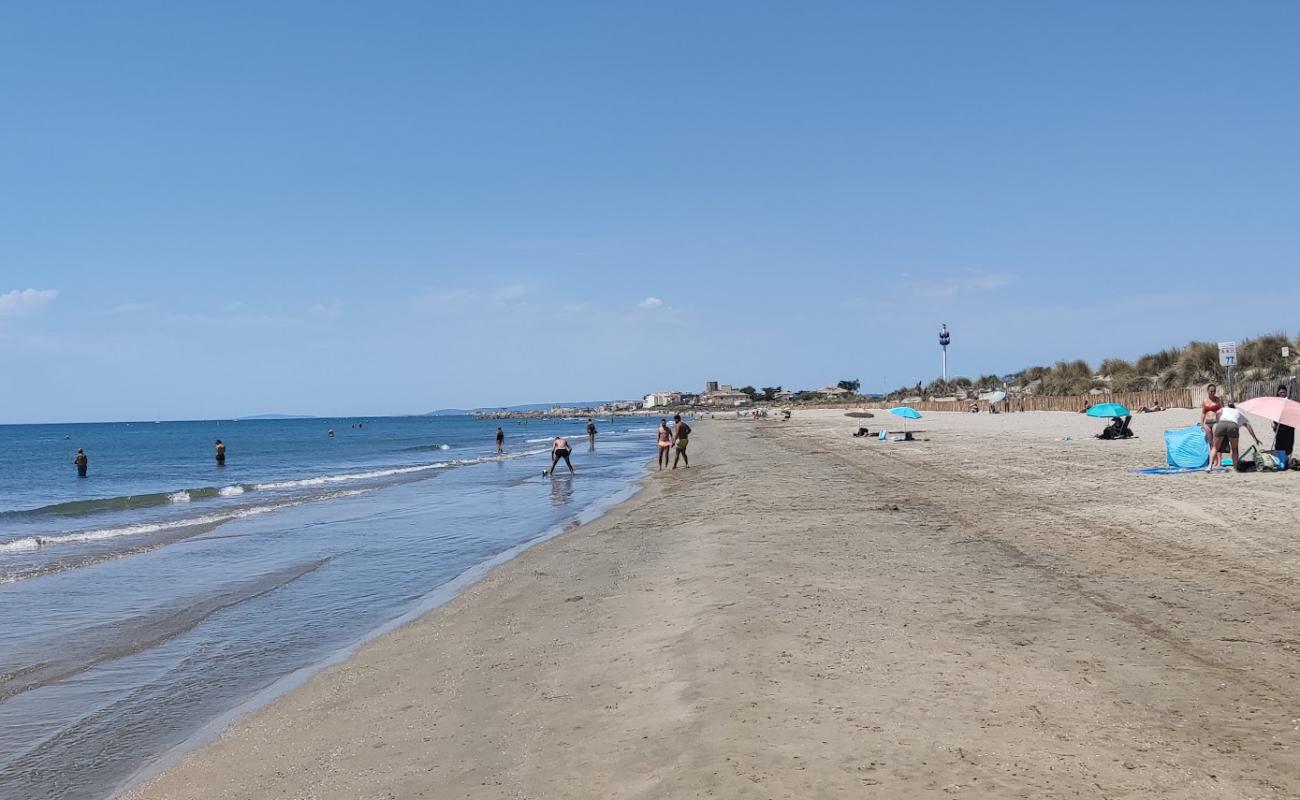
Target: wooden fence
x,y
1167,398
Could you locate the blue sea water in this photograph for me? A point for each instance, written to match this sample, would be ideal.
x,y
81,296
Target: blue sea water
x,y
161,591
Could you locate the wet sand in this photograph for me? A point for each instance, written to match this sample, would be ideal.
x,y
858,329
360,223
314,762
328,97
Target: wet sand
x,y
990,613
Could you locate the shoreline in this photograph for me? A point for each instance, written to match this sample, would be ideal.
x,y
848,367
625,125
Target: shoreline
x,y
283,686
998,609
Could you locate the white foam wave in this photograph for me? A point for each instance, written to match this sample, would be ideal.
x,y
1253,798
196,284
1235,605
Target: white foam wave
x,y
325,480
231,491
23,545
179,497
29,543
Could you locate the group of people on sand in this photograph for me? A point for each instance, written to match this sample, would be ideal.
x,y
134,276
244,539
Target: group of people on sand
x,y
1222,423
677,437
672,439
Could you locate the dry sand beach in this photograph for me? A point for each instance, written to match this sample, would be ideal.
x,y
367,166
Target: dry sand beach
x,y
802,614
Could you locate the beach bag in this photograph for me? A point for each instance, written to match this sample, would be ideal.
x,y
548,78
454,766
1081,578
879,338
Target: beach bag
x,y
1266,461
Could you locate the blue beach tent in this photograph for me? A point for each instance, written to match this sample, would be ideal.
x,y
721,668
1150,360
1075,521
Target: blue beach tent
x,y
1186,447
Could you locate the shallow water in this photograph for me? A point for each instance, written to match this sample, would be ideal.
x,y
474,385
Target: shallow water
x,y
125,627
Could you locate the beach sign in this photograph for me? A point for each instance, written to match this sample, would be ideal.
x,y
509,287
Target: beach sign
x,y
1227,354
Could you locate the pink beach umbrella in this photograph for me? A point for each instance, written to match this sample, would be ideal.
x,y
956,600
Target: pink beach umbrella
x,y
1274,409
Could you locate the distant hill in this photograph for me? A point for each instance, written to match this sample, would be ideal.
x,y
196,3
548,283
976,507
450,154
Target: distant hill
x,y
279,416
449,412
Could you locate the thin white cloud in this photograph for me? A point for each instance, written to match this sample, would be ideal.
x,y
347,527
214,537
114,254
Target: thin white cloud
x,y
968,282
128,308
23,301
650,304
509,294
327,310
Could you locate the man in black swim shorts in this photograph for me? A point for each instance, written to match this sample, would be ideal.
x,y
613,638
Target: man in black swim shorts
x,y
560,449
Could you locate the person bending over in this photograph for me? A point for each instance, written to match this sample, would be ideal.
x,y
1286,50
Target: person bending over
x,y
1229,428
560,449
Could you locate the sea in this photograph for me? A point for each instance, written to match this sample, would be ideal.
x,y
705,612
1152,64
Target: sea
x,y
144,605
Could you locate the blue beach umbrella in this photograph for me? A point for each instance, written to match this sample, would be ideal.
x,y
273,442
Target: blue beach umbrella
x,y
906,413
1108,410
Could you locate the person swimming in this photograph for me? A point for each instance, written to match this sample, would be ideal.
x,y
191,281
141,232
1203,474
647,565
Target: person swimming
x,y
221,454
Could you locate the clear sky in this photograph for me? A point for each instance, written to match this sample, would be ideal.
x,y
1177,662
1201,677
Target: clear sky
x,y
233,208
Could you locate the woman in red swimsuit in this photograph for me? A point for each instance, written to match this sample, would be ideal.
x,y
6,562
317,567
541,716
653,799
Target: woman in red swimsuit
x,y
1210,412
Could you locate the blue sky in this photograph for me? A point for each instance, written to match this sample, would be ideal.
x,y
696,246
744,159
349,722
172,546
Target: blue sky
x,y
345,208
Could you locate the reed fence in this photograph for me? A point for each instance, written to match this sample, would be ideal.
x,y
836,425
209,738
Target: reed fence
x,y
1167,398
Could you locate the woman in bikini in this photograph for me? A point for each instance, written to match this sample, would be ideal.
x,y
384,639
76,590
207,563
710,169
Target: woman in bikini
x,y
665,443
1210,412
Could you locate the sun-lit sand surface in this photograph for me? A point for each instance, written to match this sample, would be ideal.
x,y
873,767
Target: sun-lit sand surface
x,y
994,612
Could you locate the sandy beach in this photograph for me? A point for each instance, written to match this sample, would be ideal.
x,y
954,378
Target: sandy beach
x,y
989,612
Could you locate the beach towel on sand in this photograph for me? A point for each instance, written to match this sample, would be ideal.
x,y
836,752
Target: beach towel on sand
x,y
1186,448
1172,470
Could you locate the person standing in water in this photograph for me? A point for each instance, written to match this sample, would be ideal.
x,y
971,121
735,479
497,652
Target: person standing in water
x,y
221,454
501,440
665,443
591,433
560,449
82,462
681,438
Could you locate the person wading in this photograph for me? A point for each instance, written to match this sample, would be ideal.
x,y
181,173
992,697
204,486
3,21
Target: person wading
x,y
560,450
82,462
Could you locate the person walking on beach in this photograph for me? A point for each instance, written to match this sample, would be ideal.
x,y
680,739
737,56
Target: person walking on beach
x,y
665,442
591,433
560,449
1210,412
1284,435
681,438
501,440
82,462
221,453
1229,428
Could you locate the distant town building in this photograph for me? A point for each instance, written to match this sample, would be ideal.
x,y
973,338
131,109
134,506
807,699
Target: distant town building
x,y
832,392
722,394
662,400
784,395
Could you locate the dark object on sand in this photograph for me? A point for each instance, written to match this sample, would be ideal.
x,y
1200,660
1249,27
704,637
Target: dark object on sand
x,y
860,415
862,432
1117,429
